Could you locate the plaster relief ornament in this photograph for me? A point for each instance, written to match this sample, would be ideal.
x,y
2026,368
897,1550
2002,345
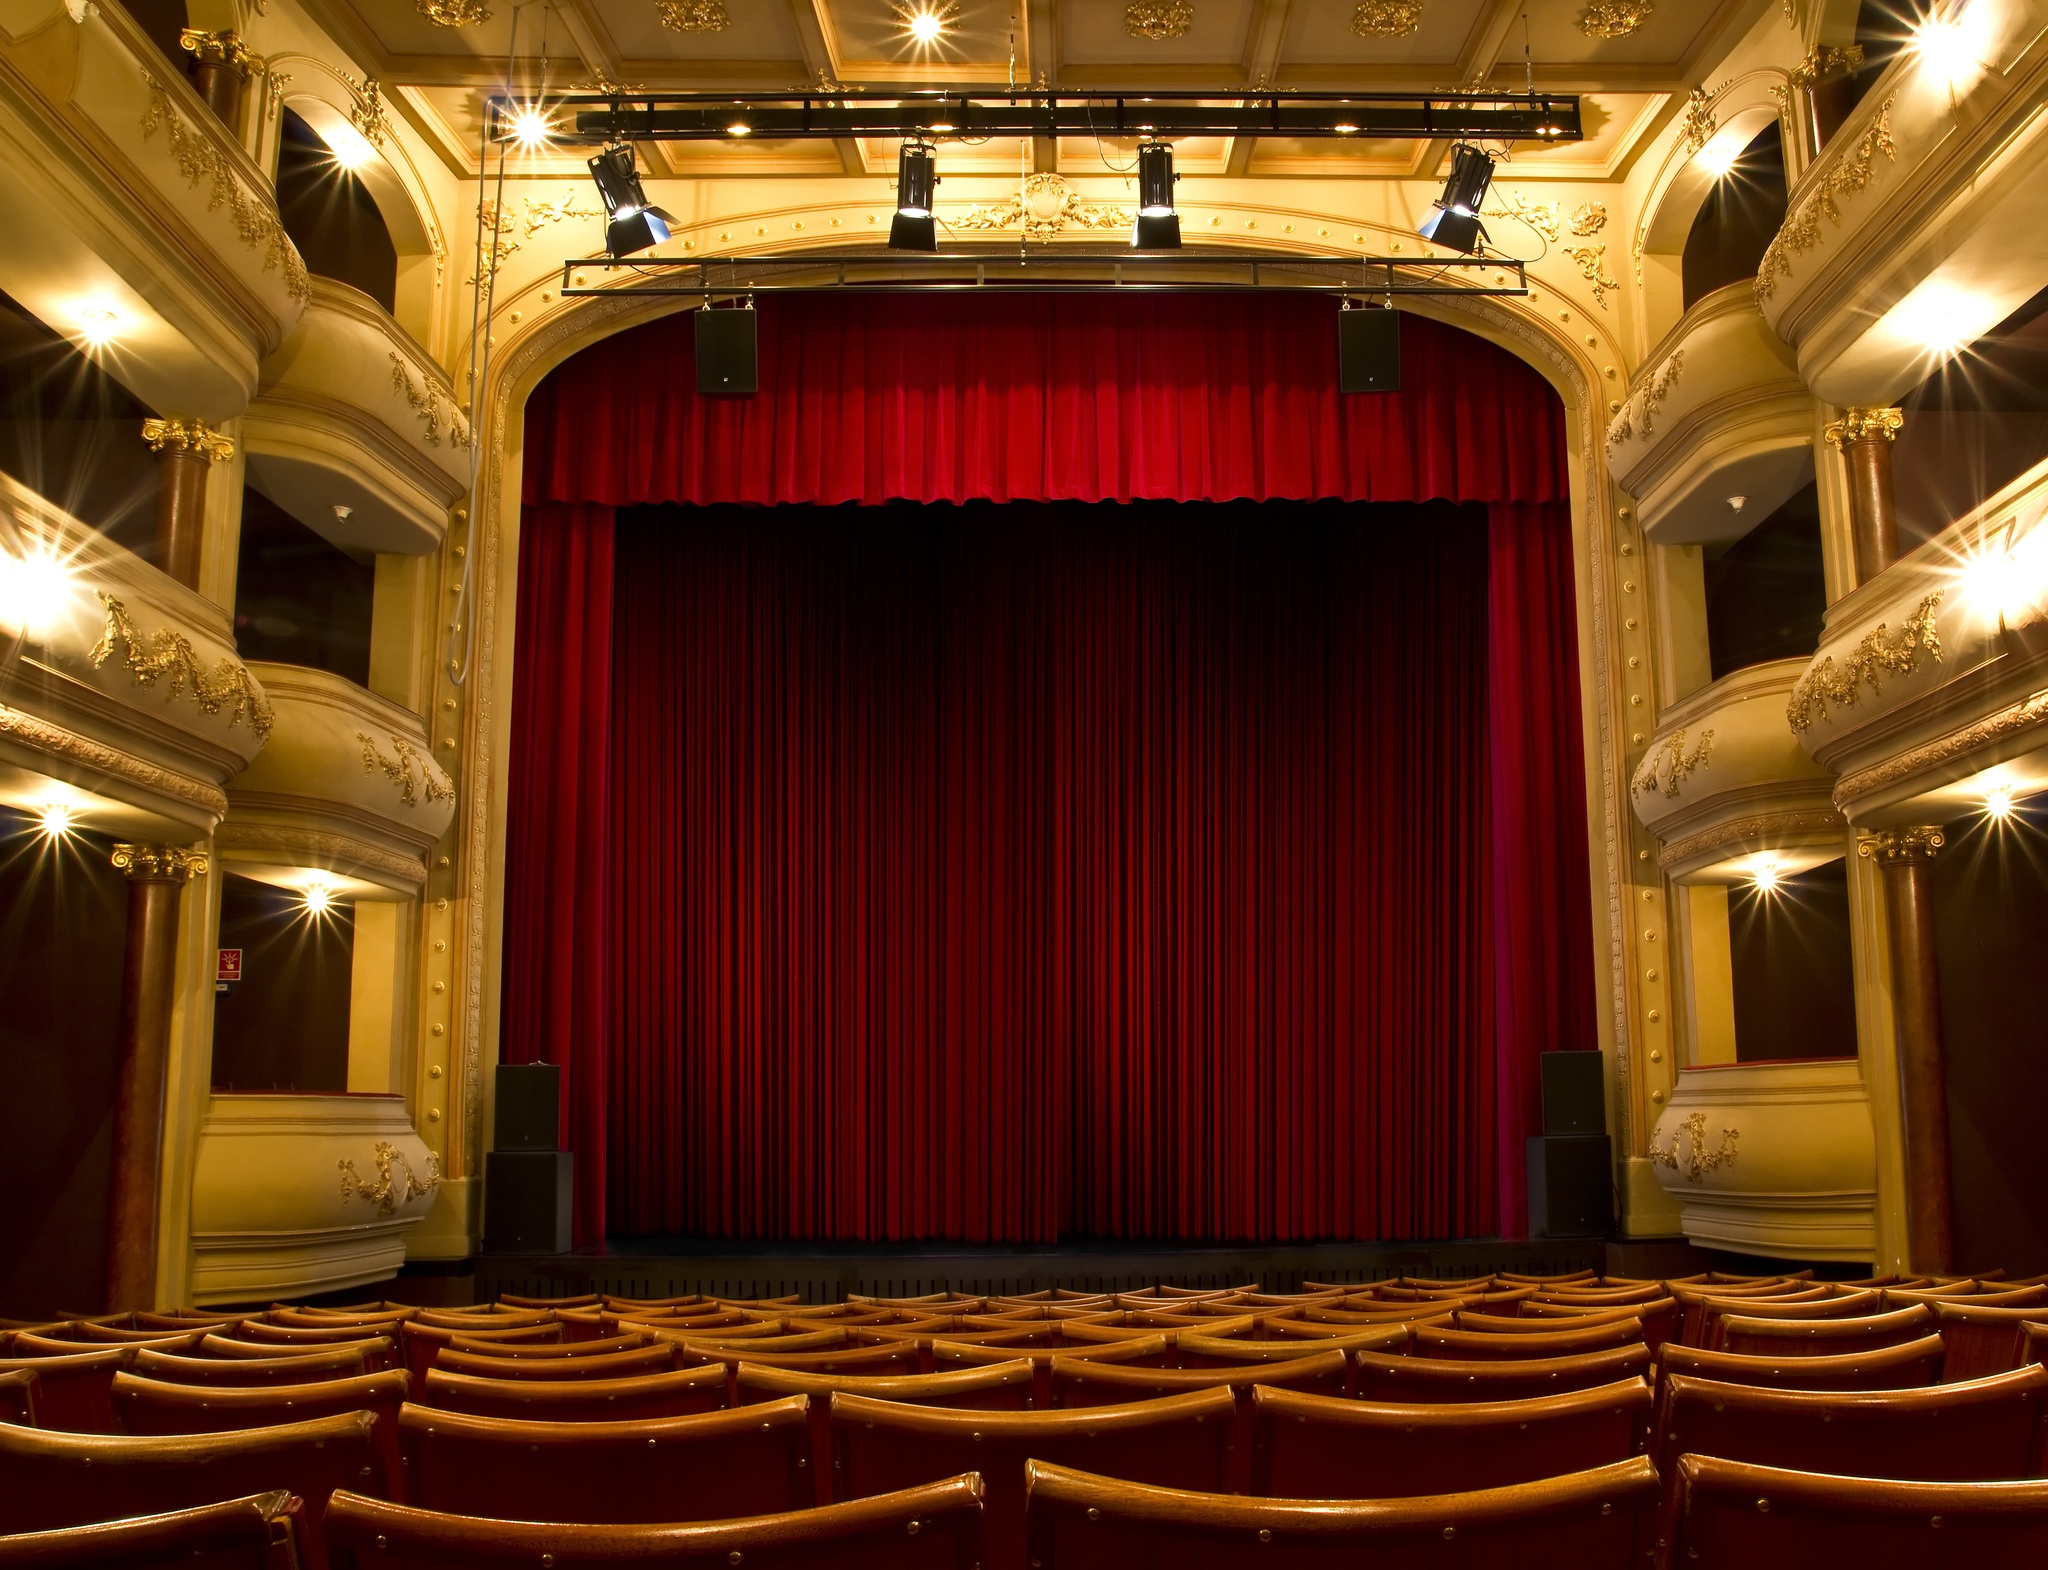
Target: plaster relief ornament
x,y
1614,18
694,16
1045,207
454,13
1387,18
1158,18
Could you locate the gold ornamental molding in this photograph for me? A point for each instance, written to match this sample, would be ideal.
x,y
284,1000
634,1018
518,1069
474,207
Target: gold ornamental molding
x,y
1824,62
1642,406
2007,722
1851,171
1858,424
1157,19
201,163
1879,652
191,436
1387,18
221,48
1898,847
160,863
420,398
1045,207
1689,1153
454,13
55,742
1614,18
406,769
386,1193
1549,218
298,847
170,654
1700,122
1743,833
693,16
1669,766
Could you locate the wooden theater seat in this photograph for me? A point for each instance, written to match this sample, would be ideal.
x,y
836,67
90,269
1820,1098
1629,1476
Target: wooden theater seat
x,y
1312,1447
993,1387
1444,1342
880,1446
1767,1518
552,1304
420,1343
1754,1337
932,1528
238,1534
549,1351
233,1368
1844,1305
680,1393
1977,1340
18,1397
73,1393
1198,1351
48,1481
486,1320
150,1406
90,1333
379,1322
958,1354
613,1365
1379,1377
1587,1521
261,1331
709,1467
1901,1367
1546,1283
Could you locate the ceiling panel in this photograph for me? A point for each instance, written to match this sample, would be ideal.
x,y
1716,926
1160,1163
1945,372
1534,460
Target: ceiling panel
x,y
1555,36
1093,35
760,30
1320,34
870,40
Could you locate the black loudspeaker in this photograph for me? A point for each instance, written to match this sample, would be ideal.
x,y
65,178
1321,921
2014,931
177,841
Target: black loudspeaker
x,y
727,361
527,1195
1571,1185
1574,1093
529,1113
1369,351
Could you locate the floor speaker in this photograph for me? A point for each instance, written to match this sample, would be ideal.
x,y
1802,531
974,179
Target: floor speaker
x,y
527,1198
1369,351
1574,1093
727,361
1571,1185
528,1107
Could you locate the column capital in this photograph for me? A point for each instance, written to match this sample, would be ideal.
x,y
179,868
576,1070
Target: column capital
x,y
1896,847
1824,61
221,48
191,436
1859,424
160,863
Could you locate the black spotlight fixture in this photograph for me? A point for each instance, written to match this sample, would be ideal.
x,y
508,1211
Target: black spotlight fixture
x,y
917,177
1455,222
632,225
1158,225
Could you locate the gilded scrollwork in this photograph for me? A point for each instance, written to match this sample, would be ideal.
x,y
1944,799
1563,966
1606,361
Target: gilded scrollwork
x,y
694,16
1158,19
1700,122
1639,413
425,403
1669,765
1879,652
1688,1151
1592,260
170,657
2010,721
1850,172
1044,207
406,769
386,1193
1895,847
1386,18
1860,424
54,741
160,863
192,436
1614,18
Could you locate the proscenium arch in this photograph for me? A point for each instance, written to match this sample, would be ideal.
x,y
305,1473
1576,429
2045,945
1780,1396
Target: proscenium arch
x,y
492,545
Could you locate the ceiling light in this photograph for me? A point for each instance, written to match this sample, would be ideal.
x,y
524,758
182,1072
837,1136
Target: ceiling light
x,y
633,224
1737,503
54,819
1765,878
98,327
532,127
739,128
1345,130
1942,319
1455,221
926,23
318,899
1720,155
1946,45
1158,225
1998,803
917,179
351,149
33,589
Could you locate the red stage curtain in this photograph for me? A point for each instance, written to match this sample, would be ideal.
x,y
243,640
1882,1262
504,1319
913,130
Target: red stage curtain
x,y
904,1086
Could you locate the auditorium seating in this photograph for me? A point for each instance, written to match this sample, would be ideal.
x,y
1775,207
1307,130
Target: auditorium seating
x,y
18,1397
676,1394
236,1534
1889,1368
1377,1376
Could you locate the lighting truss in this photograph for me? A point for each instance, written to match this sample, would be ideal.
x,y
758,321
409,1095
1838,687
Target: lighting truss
x,y
1045,271
1006,112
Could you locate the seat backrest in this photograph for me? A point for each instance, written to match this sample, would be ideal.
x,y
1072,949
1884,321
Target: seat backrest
x,y
615,1365
1080,1382
1588,1521
708,1467
484,1320
954,1354
679,1393
151,1406
586,1300
345,1362
1766,1518
1820,1337
18,1397
1312,1447
1444,1342
259,1331
550,1351
240,1534
1888,1368
421,1342
74,1393
1198,1351
1379,1377
51,1480
1977,1340
932,1528
996,1387
879,1446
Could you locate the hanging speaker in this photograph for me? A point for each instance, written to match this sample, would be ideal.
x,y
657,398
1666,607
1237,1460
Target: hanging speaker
x,y
1369,351
1574,1093
727,361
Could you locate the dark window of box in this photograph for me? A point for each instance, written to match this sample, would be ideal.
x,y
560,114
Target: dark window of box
x,y
1767,592
284,1024
1740,218
299,599
331,216
1795,985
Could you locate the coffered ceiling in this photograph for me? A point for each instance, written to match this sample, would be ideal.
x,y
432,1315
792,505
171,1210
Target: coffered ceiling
x,y
441,74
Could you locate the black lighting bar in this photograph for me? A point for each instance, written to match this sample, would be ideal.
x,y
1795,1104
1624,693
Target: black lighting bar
x,y
851,112
1044,272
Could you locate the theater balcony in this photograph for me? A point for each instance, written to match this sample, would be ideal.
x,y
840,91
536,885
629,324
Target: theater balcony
x,y
270,1215
131,212
122,700
1921,223
1726,788
356,431
1717,411
1776,1159
1928,696
345,796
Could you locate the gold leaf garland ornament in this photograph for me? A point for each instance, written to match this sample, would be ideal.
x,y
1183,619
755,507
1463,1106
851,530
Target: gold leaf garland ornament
x,y
1670,766
1697,1161
693,16
1158,19
454,13
170,655
1387,18
1614,18
385,1193
407,770
1880,651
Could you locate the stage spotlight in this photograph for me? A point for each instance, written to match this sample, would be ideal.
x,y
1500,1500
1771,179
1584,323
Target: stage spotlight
x,y
632,224
1158,225
917,177
1455,222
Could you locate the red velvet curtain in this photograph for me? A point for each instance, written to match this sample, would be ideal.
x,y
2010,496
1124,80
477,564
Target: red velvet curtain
x,y
1079,893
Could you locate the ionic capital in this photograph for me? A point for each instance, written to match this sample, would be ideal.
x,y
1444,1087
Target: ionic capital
x,y
1857,424
160,863
192,436
1896,847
